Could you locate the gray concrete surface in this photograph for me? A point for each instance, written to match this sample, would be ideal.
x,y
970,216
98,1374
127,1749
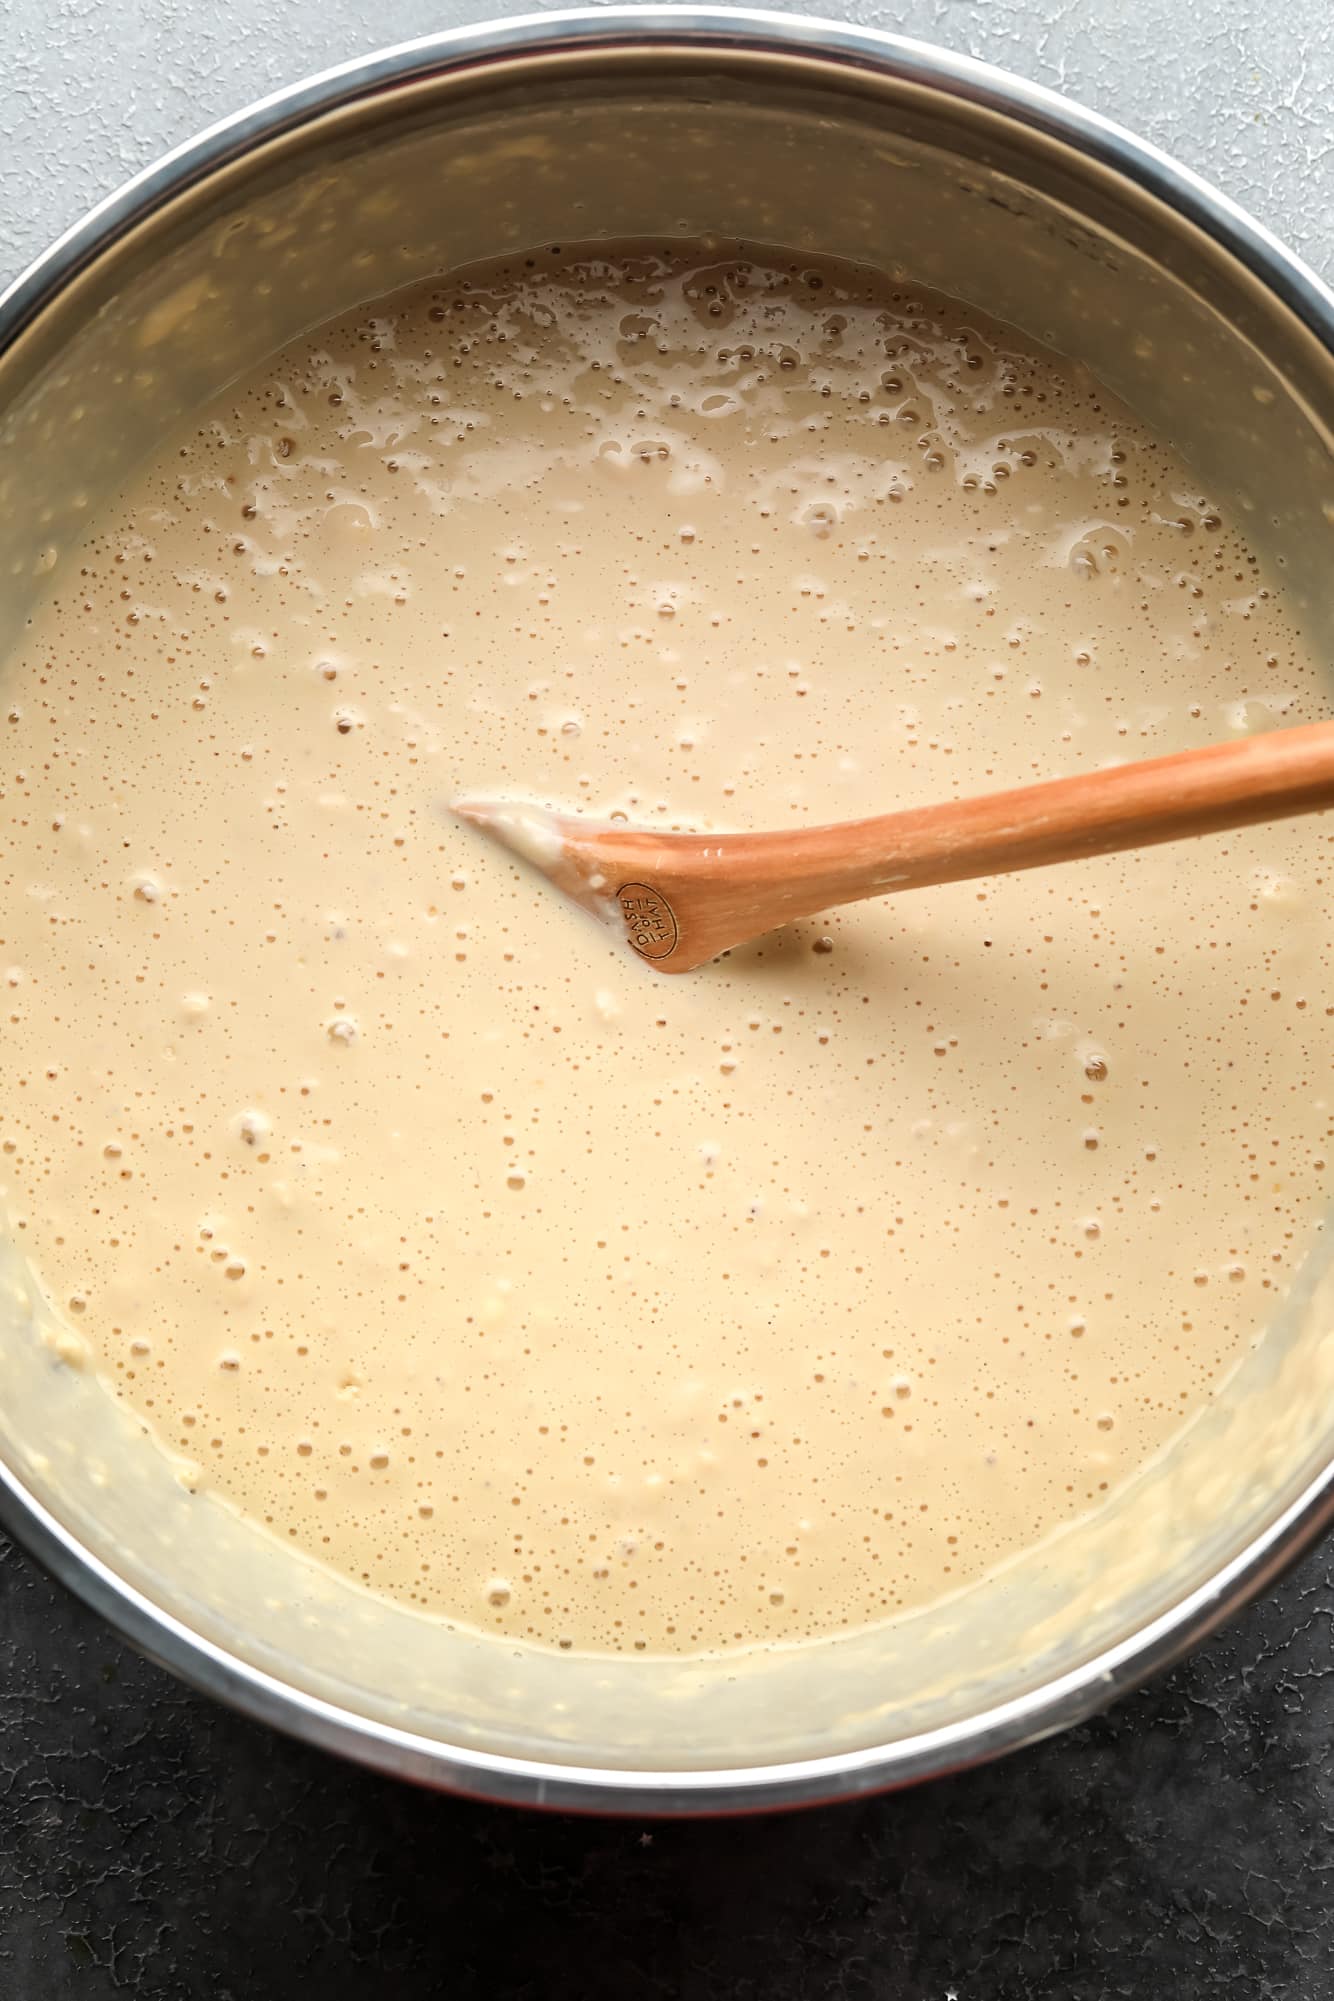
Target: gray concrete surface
x,y
1241,90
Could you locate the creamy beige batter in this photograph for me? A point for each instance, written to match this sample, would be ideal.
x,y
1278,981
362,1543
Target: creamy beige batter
x,y
525,1285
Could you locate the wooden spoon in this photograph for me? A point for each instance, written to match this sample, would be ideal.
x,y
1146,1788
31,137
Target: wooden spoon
x,y
680,899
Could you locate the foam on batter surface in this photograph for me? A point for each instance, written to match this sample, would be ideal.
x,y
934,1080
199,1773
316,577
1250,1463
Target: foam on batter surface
x,y
530,1288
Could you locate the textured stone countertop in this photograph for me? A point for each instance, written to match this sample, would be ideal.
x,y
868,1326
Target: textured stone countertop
x,y
152,1844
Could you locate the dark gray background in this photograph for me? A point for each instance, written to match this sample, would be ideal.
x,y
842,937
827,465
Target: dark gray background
x,y
153,1845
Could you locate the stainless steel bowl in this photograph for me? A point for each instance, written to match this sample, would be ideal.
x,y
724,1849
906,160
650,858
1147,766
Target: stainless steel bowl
x,y
672,121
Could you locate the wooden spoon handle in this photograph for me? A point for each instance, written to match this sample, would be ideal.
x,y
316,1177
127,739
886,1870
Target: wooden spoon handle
x,y
1205,791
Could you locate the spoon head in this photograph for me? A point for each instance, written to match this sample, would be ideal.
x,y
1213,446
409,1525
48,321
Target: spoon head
x,y
615,872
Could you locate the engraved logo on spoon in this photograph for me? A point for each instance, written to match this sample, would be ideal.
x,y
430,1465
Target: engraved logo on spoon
x,y
650,922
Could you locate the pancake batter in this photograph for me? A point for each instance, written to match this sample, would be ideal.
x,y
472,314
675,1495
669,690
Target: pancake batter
x,y
571,1303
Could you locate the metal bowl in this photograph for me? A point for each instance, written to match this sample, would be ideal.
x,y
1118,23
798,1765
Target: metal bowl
x,y
768,128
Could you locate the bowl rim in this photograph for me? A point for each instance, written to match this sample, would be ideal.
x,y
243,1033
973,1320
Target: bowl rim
x,y
463,1769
